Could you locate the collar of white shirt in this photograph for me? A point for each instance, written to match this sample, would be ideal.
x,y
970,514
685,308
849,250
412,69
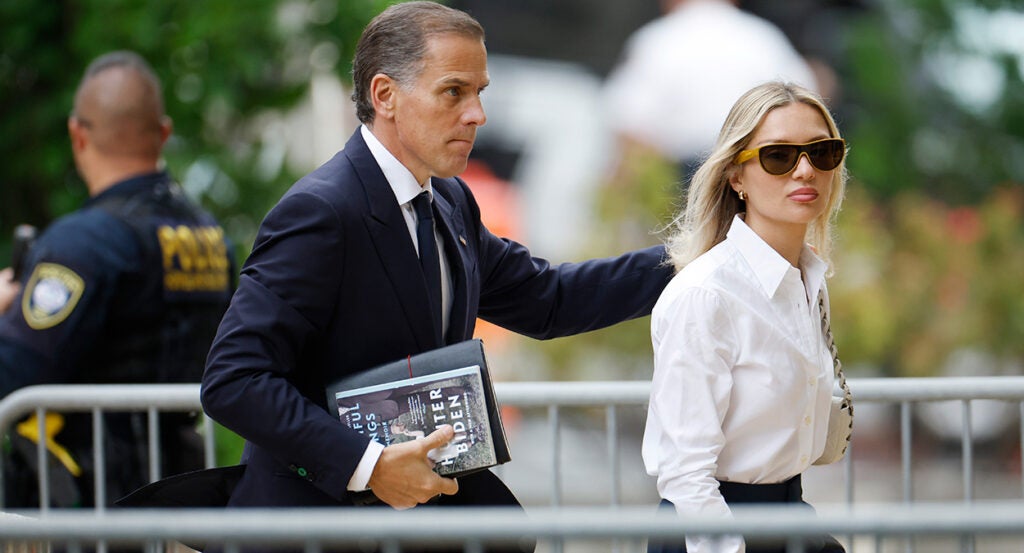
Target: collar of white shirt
x,y
768,265
402,182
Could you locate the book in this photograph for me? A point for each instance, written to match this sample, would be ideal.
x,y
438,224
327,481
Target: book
x,y
410,398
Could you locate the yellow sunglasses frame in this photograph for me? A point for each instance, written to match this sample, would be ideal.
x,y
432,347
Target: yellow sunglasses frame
x,y
747,155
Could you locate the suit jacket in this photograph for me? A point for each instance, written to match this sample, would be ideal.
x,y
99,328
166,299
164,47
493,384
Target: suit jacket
x,y
333,285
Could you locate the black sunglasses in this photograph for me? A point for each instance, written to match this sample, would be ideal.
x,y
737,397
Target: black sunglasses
x,y
779,159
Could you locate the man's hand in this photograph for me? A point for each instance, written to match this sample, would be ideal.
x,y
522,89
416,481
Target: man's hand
x,y
404,476
9,289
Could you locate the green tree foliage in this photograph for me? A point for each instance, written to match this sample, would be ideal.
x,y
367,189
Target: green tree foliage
x,y
919,280
938,98
931,230
222,63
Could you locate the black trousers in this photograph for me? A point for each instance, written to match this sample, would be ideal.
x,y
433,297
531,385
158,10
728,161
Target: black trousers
x,y
790,491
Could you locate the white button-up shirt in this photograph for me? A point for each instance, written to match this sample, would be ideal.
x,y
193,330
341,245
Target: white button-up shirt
x,y
742,377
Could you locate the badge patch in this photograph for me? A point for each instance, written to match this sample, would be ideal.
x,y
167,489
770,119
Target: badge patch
x,y
51,295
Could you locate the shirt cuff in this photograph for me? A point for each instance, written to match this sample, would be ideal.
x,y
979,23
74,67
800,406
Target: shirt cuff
x,y
361,477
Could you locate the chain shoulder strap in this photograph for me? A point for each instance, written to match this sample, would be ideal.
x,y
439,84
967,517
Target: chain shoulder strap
x,y
826,329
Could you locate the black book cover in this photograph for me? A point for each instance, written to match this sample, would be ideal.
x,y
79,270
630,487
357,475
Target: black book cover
x,y
409,398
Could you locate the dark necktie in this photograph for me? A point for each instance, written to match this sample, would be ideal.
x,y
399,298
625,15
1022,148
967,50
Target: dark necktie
x,y
429,260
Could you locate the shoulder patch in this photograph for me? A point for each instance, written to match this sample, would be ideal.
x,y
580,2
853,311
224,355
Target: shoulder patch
x,y
51,294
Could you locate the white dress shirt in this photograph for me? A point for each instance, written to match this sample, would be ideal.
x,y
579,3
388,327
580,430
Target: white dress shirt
x,y
742,377
405,187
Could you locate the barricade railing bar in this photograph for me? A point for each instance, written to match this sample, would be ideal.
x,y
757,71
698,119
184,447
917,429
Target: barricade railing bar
x,y
555,396
312,529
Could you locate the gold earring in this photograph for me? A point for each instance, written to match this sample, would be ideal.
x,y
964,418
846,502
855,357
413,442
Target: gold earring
x,y
743,197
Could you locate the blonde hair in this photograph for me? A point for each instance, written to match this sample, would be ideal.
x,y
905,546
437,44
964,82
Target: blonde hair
x,y
711,202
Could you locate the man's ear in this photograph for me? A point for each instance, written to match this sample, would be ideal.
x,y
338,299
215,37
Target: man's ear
x,y
77,133
383,95
166,128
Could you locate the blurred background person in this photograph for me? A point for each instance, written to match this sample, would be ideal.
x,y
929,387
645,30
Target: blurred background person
x,y
679,74
128,289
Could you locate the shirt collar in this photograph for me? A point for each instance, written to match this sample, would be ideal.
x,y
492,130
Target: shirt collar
x,y
768,266
402,181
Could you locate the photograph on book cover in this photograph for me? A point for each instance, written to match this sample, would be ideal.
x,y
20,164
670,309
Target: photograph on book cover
x,y
408,409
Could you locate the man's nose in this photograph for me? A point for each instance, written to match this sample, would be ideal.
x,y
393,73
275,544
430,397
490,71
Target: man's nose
x,y
474,114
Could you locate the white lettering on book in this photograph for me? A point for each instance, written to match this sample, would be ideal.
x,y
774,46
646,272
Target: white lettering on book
x,y
458,444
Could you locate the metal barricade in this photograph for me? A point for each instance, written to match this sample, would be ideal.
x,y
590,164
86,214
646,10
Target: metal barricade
x,y
97,399
555,397
905,392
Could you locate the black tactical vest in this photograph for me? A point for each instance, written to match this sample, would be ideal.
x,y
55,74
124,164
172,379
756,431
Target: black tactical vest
x,y
161,333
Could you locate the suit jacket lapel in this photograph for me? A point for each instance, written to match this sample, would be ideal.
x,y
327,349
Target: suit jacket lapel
x,y
391,240
453,232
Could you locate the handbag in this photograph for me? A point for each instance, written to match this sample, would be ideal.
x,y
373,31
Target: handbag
x,y
840,417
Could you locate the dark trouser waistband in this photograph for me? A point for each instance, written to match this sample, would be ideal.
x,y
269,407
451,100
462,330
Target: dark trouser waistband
x,y
790,491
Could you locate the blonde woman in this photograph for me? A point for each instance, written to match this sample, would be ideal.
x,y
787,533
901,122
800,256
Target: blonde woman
x,y
742,382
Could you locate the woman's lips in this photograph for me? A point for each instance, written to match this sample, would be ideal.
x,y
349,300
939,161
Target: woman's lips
x,y
803,195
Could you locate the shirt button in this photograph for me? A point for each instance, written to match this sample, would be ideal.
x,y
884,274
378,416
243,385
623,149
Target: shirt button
x,y
803,458
810,381
807,420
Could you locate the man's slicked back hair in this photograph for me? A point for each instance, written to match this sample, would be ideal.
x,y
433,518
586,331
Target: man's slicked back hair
x,y
395,43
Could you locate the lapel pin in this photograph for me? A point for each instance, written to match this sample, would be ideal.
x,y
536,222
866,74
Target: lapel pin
x,y
462,239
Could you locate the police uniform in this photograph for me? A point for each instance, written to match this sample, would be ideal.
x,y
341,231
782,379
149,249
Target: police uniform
x,y
129,289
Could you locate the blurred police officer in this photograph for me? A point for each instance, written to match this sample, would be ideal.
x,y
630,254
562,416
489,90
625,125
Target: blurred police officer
x,y
128,289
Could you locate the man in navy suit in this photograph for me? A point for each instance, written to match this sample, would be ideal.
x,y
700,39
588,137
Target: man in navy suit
x,y
334,283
